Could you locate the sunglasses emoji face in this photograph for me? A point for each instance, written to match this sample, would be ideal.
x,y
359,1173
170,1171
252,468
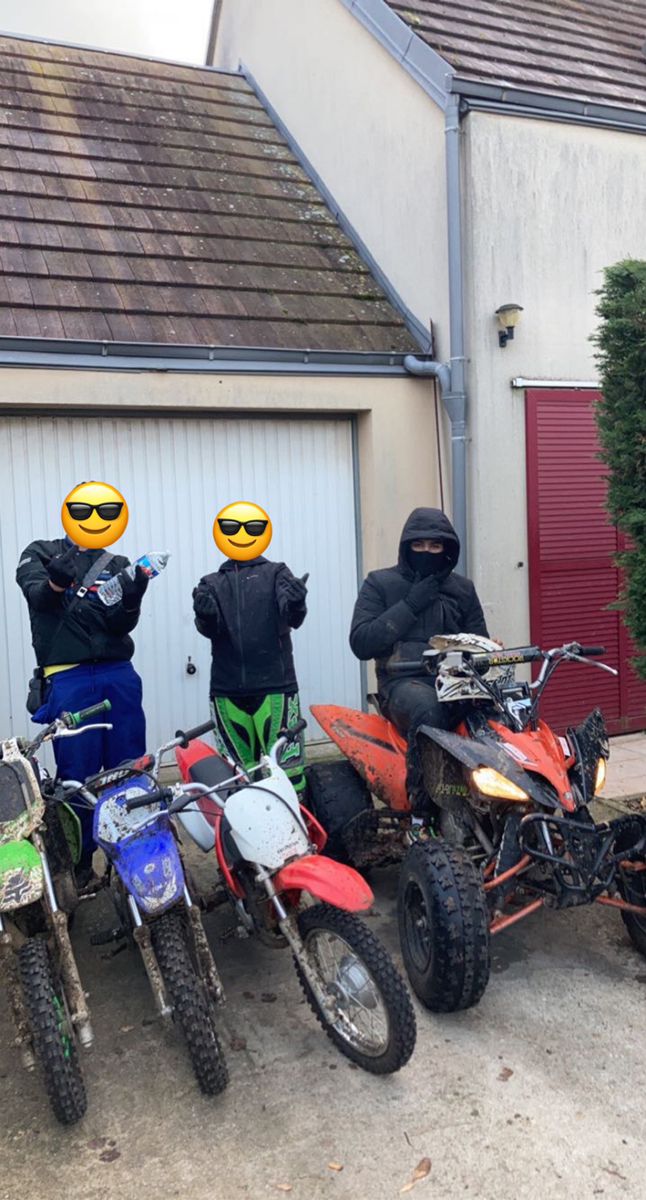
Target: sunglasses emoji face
x,y
94,515
242,531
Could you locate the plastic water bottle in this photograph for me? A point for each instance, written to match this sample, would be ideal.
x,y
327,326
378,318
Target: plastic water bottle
x,y
110,591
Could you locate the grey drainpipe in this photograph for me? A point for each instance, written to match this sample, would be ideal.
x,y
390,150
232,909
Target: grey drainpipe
x,y
451,376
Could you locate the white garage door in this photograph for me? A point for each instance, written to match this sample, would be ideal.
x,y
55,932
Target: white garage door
x,y
176,474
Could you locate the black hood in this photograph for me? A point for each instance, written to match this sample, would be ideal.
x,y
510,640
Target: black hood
x,y
429,523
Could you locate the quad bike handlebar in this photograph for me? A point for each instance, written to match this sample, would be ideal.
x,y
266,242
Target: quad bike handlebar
x,y
482,663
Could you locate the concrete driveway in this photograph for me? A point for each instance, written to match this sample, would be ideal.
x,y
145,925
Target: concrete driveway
x,y
538,1092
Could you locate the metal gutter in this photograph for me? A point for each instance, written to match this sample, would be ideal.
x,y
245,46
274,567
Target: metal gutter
x,y
512,101
432,72
134,356
576,384
419,332
451,376
214,26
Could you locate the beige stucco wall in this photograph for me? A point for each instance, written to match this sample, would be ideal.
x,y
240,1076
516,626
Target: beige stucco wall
x,y
395,422
368,129
547,207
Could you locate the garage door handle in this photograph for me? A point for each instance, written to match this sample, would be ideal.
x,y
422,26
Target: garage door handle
x,y
191,669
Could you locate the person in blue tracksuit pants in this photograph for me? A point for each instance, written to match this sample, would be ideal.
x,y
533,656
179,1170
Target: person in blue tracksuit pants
x,y
83,650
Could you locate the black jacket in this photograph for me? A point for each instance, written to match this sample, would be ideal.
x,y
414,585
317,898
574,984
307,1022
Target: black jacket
x,y
250,641
383,623
92,632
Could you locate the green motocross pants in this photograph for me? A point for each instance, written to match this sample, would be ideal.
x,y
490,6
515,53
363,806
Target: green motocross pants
x,y
247,726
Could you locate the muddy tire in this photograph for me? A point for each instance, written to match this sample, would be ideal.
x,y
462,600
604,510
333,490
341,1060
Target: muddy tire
x,y
443,926
336,794
192,1008
374,972
52,1033
632,886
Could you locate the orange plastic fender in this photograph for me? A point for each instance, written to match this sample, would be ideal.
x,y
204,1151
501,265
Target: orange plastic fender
x,y
373,746
327,880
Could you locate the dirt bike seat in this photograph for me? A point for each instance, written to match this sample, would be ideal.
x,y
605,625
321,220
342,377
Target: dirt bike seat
x,y
211,770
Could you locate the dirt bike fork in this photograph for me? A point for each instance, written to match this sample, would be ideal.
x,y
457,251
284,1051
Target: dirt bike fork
x,y
288,928
74,991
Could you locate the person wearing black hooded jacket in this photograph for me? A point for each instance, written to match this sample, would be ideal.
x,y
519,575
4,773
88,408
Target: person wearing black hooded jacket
x,y
398,610
247,610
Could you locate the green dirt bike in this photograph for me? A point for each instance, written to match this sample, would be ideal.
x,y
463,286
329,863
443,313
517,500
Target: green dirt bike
x,y
40,842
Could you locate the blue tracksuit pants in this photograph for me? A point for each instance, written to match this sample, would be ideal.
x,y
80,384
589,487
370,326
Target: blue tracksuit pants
x,y
78,757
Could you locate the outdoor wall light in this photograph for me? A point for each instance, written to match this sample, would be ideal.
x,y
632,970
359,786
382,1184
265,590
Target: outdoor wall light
x,y
508,316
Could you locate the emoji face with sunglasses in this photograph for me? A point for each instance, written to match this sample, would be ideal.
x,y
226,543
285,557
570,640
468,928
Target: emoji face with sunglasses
x,y
242,531
94,515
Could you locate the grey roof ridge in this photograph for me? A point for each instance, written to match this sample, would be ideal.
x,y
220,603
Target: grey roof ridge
x,y
92,49
432,72
439,79
422,335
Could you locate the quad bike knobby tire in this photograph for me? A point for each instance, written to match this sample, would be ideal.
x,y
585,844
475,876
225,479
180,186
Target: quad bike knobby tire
x,y
336,795
52,1033
632,886
443,926
358,945
192,1010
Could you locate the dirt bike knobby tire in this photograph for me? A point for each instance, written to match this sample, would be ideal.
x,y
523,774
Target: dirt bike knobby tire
x,y
336,794
53,1039
192,1009
456,971
394,994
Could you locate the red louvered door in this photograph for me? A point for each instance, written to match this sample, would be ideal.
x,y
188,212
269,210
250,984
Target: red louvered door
x,y
572,573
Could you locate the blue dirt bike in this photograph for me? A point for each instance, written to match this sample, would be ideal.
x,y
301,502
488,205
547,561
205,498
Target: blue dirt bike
x,y
154,905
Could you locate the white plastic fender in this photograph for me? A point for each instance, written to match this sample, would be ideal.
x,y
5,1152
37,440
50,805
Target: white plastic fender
x,y
266,822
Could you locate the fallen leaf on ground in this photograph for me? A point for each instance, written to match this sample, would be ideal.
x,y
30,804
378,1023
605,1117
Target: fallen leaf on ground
x,y
268,997
505,1074
332,1166
249,995
127,1028
422,1169
97,1143
109,1155
284,1187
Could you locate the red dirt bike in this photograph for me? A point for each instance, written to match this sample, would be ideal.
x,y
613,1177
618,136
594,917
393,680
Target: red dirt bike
x,y
510,829
286,892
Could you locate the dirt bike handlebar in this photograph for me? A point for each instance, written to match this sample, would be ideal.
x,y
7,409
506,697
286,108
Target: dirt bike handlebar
x,y
190,734
158,795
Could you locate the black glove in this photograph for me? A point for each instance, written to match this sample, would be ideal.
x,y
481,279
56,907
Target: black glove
x,y
205,603
423,593
62,569
132,590
294,590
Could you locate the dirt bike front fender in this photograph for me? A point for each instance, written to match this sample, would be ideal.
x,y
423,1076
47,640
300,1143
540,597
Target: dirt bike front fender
x,y
473,754
327,880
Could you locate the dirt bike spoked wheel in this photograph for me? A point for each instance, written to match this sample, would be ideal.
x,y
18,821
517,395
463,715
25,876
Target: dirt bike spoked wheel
x,y
52,1032
192,1008
443,926
374,1022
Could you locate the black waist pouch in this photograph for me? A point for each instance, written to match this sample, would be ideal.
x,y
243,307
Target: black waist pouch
x,y
36,693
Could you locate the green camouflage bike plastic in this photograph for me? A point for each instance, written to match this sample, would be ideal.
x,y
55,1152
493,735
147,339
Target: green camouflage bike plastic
x,y
40,842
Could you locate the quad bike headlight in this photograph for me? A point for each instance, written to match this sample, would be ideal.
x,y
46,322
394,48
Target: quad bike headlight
x,y
600,777
492,783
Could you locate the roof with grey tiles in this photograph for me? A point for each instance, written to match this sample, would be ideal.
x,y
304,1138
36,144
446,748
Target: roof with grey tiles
x,y
143,201
583,49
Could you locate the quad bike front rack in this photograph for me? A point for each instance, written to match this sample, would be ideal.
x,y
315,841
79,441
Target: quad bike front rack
x,y
584,864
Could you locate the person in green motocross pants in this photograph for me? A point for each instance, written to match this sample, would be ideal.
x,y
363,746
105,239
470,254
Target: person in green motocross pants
x,y
247,609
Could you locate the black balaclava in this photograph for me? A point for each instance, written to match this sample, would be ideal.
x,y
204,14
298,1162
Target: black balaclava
x,y
424,563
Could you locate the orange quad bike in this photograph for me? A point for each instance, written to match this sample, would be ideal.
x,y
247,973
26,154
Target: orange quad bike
x,y
509,829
